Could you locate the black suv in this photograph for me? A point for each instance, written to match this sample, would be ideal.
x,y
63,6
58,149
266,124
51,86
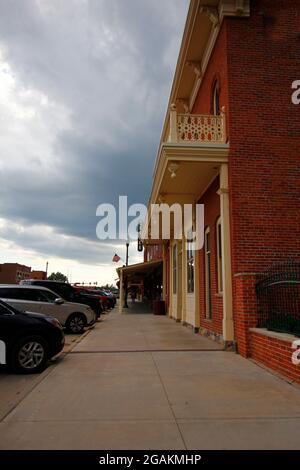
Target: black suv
x,y
28,340
67,292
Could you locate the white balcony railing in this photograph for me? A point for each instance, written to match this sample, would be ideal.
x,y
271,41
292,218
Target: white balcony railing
x,y
193,128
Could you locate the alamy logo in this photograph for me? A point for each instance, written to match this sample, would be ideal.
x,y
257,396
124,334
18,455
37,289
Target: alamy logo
x,y
296,354
159,221
2,353
296,93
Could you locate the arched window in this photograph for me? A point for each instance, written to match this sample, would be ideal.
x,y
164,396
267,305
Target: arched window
x,y
216,108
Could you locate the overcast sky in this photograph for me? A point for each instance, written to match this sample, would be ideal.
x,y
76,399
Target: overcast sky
x,y
84,86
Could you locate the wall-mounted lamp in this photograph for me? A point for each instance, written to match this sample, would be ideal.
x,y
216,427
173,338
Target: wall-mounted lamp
x,y
173,167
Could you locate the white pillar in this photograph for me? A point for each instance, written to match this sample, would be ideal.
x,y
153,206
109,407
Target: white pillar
x,y
173,124
164,296
121,296
228,327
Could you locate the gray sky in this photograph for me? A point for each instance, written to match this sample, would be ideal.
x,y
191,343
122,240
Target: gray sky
x,y
84,86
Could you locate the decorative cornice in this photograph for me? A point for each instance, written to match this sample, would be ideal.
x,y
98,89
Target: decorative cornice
x,y
234,8
212,13
196,66
185,104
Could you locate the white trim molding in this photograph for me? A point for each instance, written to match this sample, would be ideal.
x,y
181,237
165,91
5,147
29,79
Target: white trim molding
x,y
234,8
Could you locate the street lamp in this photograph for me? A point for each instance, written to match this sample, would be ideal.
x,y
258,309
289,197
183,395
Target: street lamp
x,y
127,246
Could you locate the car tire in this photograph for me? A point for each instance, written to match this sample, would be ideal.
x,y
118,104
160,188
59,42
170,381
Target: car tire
x,y
75,323
30,355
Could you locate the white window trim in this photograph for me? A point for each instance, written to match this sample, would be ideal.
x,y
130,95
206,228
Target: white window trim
x,y
219,252
175,250
208,311
187,271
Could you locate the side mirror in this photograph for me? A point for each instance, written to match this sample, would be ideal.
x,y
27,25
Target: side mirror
x,y
59,301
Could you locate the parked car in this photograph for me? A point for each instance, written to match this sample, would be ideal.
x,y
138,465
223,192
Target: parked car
x,y
67,292
111,296
106,302
41,300
105,296
30,339
88,294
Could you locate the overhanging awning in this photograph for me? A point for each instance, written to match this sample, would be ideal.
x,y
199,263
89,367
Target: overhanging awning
x,y
137,272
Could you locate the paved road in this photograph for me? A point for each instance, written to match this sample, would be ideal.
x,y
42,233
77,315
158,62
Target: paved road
x,y
145,382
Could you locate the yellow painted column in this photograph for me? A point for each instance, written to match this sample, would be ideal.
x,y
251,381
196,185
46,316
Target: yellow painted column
x,y
179,281
164,272
228,327
183,280
197,290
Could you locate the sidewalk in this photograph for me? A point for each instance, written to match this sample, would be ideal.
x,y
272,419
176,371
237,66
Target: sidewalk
x,y
145,382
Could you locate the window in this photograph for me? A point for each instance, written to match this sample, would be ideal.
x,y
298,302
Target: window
x,y
174,269
33,295
207,274
216,99
219,255
10,293
190,260
49,296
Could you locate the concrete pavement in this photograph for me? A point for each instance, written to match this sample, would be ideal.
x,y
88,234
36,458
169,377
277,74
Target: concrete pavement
x,y
145,382
14,388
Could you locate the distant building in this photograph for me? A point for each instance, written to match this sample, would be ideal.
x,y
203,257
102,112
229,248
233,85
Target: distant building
x,y
41,275
13,273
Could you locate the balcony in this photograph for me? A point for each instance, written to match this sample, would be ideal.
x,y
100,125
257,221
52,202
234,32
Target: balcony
x,y
192,150
197,128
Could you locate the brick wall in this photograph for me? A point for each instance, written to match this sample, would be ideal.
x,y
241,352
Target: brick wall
x,y
264,134
256,60
244,310
211,202
153,252
275,354
216,69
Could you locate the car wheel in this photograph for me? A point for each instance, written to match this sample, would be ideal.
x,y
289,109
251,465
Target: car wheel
x,y
76,323
30,355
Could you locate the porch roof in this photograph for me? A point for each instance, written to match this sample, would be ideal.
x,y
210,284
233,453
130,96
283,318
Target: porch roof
x,y
139,270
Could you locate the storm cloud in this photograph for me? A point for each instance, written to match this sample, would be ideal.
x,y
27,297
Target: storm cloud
x,y
84,86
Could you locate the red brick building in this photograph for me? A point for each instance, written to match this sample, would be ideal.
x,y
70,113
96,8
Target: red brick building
x,y
40,275
13,273
231,141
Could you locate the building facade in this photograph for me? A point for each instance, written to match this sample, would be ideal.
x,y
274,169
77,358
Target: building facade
x,y
40,275
231,141
13,273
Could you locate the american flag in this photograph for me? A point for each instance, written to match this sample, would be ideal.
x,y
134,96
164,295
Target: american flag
x,y
116,258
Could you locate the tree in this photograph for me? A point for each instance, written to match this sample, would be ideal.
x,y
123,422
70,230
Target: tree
x,y
57,277
108,287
